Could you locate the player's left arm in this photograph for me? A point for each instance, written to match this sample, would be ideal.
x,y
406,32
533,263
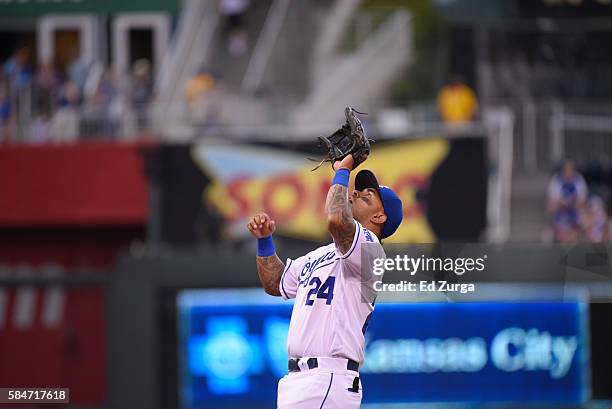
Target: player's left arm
x,y
340,221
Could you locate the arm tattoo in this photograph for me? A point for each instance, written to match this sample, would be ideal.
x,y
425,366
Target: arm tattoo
x,y
270,270
340,217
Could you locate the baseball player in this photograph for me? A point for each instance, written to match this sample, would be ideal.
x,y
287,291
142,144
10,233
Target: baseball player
x,y
333,297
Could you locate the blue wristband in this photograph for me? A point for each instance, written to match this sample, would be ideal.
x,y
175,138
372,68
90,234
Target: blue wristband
x,y
341,177
265,247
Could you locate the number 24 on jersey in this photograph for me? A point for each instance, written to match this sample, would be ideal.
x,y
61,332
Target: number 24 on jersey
x,y
325,290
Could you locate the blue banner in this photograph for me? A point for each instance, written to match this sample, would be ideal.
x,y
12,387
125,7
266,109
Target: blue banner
x,y
232,351
477,352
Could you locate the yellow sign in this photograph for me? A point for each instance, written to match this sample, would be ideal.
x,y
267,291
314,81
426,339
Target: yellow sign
x,y
296,198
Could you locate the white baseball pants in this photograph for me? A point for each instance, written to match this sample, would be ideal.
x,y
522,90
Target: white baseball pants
x,y
329,386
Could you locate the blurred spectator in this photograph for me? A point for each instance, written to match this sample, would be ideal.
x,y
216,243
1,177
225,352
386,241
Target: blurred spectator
x,y
46,86
16,70
594,220
457,102
198,86
18,75
5,112
141,91
203,93
39,131
64,126
102,113
46,89
234,11
77,70
106,91
567,192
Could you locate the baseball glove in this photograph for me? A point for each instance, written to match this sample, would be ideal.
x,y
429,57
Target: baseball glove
x,y
350,139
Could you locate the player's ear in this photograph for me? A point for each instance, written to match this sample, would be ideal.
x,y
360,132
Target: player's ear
x,y
379,218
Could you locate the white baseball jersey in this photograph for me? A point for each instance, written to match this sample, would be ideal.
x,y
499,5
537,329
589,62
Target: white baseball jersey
x,y
333,298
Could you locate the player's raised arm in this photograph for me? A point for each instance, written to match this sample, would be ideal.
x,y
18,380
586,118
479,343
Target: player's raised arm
x,y
340,221
269,267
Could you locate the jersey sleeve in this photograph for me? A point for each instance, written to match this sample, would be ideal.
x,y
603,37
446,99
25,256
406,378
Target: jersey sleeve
x,y
290,278
364,248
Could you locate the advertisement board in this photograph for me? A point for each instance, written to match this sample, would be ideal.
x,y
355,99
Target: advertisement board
x,y
442,184
232,351
73,185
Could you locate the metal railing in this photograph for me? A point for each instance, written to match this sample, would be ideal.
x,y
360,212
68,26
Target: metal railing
x,y
120,120
551,130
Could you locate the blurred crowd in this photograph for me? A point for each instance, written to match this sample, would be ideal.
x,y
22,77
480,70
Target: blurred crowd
x,y
62,102
579,204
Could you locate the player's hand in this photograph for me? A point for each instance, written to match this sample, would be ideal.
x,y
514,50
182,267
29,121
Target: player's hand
x,y
346,163
261,225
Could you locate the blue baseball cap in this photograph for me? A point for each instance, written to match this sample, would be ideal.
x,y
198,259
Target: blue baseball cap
x,y
391,202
